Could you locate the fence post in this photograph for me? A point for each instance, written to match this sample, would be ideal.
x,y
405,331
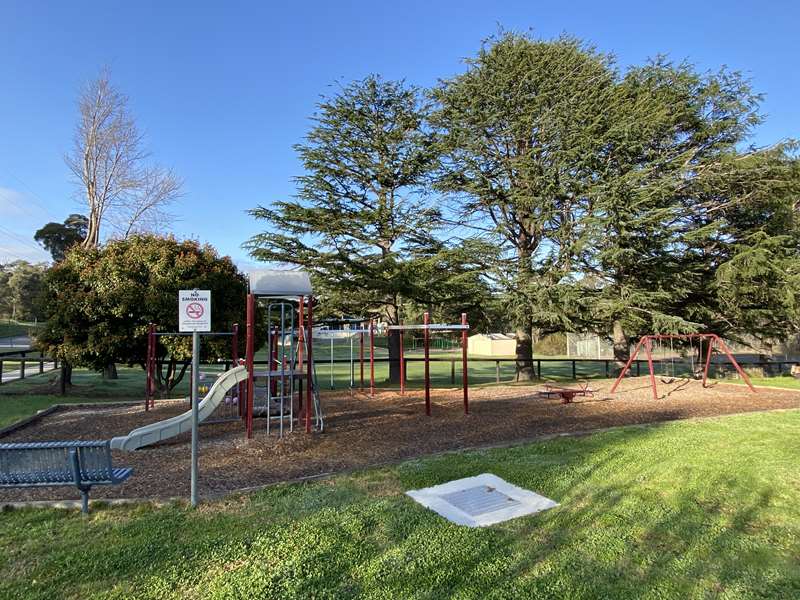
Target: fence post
x,y
574,376
453,372
638,368
539,368
497,371
607,373
22,368
1,371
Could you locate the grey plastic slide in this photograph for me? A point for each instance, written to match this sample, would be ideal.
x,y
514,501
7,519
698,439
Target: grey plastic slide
x,y
155,432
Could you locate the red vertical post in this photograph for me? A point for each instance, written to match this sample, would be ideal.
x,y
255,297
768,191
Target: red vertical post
x,y
426,339
372,358
402,363
273,359
249,352
310,364
708,357
150,360
464,378
647,349
361,359
301,336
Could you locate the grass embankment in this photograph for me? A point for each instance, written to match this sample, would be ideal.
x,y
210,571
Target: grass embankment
x,y
693,509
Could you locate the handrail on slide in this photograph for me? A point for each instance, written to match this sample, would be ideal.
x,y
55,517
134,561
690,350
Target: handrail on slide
x,y
162,430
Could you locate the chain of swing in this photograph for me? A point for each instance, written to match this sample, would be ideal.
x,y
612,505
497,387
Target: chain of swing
x,y
668,375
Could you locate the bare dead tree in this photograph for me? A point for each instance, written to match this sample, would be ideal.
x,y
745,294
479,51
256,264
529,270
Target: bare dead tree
x,y
111,166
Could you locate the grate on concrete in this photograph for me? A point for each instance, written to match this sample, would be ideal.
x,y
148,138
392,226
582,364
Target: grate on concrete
x,y
481,500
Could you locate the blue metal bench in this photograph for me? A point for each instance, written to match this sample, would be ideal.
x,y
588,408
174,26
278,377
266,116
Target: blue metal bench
x,y
38,464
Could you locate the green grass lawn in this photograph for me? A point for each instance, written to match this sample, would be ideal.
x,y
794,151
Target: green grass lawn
x,y
691,509
784,381
23,398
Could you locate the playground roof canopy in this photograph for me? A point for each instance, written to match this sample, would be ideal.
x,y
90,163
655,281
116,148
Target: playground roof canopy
x,y
279,283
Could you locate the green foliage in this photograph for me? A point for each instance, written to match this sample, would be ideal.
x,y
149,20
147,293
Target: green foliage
x,y
519,135
625,203
20,290
100,301
674,511
360,223
57,238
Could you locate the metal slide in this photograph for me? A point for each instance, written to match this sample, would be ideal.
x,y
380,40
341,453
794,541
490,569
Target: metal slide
x,y
156,432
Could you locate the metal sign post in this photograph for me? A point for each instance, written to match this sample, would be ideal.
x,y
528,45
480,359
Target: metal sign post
x,y
194,315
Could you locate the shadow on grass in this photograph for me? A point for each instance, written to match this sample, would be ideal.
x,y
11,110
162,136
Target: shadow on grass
x,y
668,511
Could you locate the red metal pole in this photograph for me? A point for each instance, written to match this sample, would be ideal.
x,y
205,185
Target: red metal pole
x,y
724,347
309,367
151,338
249,352
647,349
273,360
464,378
627,365
372,358
235,363
708,357
402,363
300,341
426,338
361,359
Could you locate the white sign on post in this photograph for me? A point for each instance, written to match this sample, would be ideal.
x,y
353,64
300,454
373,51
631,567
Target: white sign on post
x,y
194,310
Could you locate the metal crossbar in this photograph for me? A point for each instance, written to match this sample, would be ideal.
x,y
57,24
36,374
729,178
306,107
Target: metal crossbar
x,y
79,463
432,327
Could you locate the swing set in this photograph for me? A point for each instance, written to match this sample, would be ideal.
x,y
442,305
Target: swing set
x,y
712,340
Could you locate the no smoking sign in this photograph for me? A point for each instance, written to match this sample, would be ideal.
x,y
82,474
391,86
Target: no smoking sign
x,y
194,310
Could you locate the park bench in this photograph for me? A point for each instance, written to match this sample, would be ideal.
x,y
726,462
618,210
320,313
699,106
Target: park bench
x,y
567,394
78,463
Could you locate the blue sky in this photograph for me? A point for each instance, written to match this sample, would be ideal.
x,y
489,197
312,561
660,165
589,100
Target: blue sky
x,y
223,90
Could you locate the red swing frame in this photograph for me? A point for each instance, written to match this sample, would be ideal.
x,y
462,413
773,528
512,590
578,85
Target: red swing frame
x,y
646,342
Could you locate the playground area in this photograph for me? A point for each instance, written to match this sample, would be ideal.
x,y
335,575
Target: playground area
x,y
362,431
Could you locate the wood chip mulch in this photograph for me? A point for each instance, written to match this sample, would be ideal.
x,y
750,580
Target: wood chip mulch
x,y
362,431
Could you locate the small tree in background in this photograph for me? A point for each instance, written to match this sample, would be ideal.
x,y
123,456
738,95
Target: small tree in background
x,y
20,289
57,238
360,223
100,303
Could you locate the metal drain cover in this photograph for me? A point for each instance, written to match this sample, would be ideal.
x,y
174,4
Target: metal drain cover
x,y
481,500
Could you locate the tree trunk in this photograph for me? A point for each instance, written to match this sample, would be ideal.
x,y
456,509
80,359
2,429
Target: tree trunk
x,y
64,378
622,350
524,329
110,371
393,341
394,356
525,371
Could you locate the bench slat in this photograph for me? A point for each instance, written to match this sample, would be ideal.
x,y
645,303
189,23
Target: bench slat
x,y
75,462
